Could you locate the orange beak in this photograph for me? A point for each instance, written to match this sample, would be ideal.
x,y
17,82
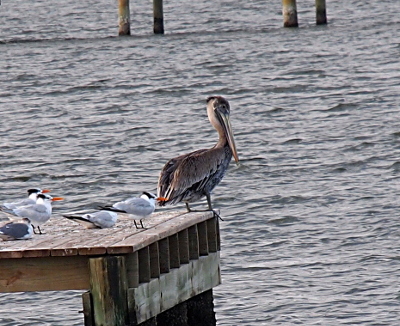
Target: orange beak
x,y
161,199
45,191
57,198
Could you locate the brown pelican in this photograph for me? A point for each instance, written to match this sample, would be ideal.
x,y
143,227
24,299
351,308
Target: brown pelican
x,y
190,177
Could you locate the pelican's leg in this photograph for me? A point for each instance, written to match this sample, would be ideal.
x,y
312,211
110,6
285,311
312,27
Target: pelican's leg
x,y
141,223
40,231
188,207
210,206
134,221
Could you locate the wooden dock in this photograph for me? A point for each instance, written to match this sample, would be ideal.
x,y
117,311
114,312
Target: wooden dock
x,y
132,276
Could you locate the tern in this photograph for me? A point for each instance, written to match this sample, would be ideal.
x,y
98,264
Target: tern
x,y
17,230
100,219
190,177
141,207
32,196
38,213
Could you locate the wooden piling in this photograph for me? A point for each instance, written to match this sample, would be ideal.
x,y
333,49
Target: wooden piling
x,y
124,20
289,11
320,8
158,17
108,287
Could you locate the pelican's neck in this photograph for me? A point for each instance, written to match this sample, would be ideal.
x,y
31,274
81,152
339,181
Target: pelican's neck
x,y
222,141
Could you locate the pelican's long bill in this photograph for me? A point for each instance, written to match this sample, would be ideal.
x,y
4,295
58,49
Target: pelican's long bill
x,y
225,121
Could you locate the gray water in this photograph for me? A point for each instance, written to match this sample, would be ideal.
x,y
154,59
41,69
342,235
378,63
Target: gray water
x,y
311,230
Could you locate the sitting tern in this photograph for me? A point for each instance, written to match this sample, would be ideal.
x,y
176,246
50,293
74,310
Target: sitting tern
x,y
100,219
190,177
141,207
32,196
38,213
17,230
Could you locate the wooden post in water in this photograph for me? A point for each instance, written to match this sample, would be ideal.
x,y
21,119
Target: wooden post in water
x,y
158,17
320,8
289,12
124,20
108,287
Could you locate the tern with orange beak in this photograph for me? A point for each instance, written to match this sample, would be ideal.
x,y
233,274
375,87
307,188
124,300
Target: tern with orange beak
x,y
141,207
190,177
32,196
38,213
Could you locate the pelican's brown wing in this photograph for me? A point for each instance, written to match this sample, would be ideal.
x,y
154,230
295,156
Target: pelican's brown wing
x,y
188,173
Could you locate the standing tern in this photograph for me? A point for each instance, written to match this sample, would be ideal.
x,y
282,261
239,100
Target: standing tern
x,y
141,207
32,196
101,219
190,177
38,213
17,230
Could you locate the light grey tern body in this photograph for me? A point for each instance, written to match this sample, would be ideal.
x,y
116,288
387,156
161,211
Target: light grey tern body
x,y
17,230
141,207
38,213
30,200
101,219
190,177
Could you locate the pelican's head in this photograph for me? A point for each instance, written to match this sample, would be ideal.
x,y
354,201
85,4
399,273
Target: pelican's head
x,y
218,110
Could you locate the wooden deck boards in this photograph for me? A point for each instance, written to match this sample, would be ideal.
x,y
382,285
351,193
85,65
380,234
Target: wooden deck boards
x,y
63,237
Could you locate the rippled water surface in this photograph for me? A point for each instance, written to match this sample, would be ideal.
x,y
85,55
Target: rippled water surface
x,y
311,231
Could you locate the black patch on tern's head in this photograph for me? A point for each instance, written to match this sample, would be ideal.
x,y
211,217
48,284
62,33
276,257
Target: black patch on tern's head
x,y
34,191
148,194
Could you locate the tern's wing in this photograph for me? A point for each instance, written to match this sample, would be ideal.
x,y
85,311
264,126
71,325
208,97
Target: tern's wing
x,y
36,213
139,206
102,219
81,219
16,204
14,230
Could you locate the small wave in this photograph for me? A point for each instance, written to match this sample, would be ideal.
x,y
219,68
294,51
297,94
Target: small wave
x,y
284,220
342,107
293,141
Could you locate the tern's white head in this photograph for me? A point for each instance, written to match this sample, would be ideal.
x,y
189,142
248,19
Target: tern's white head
x,y
34,192
148,196
46,199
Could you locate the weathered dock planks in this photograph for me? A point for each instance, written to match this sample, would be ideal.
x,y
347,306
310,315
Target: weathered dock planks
x,y
131,275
